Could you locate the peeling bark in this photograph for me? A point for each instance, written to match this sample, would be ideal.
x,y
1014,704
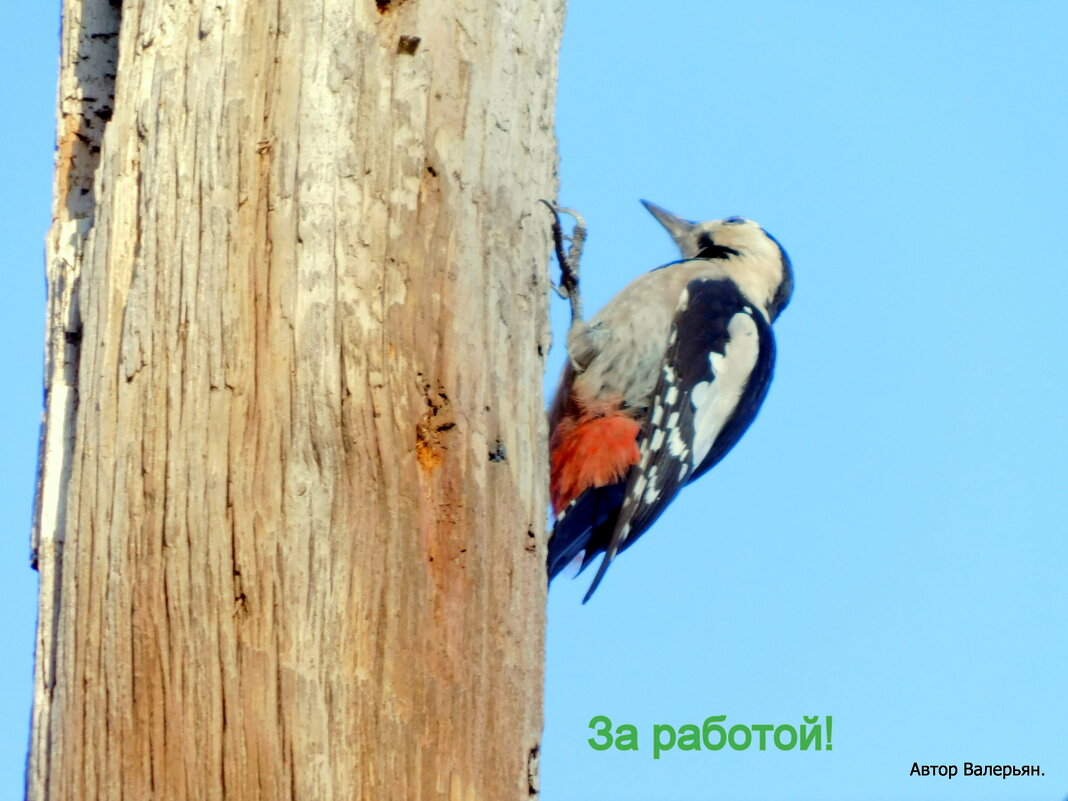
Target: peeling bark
x,y
290,520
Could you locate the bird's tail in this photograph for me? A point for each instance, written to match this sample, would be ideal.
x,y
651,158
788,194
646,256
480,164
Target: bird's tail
x,y
585,525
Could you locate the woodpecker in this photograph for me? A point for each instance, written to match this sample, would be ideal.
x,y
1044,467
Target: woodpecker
x,y
661,383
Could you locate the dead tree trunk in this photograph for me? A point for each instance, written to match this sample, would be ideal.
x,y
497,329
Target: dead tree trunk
x,y
292,487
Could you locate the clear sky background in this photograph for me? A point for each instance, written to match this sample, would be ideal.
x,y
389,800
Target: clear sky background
x,y
887,544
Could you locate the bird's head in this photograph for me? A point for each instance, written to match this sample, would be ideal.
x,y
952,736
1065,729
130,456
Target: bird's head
x,y
741,243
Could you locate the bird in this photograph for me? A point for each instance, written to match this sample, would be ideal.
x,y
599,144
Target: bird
x,y
661,383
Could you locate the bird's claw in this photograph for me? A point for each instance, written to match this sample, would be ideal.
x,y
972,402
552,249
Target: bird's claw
x,y
568,259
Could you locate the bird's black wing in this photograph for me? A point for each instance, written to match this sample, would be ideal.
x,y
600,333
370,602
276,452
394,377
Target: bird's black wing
x,y
713,379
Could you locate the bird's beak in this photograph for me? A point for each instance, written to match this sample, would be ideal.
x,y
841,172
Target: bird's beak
x,y
676,226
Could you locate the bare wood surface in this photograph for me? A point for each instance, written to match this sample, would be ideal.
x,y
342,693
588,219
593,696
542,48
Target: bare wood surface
x,y
291,510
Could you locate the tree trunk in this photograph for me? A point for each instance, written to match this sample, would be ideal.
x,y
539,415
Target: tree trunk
x,y
293,480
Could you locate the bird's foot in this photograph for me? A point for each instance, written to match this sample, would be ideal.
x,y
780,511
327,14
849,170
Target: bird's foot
x,y
568,259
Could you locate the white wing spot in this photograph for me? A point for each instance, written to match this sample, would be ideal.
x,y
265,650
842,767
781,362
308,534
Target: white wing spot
x,y
676,446
657,441
671,396
652,492
639,487
658,413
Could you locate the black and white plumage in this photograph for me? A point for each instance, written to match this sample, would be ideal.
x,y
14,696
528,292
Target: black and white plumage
x,y
681,359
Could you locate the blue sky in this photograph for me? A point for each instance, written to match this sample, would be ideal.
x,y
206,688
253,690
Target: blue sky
x,y
887,544
28,65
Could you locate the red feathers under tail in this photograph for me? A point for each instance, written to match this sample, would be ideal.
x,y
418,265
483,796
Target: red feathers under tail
x,y
592,445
